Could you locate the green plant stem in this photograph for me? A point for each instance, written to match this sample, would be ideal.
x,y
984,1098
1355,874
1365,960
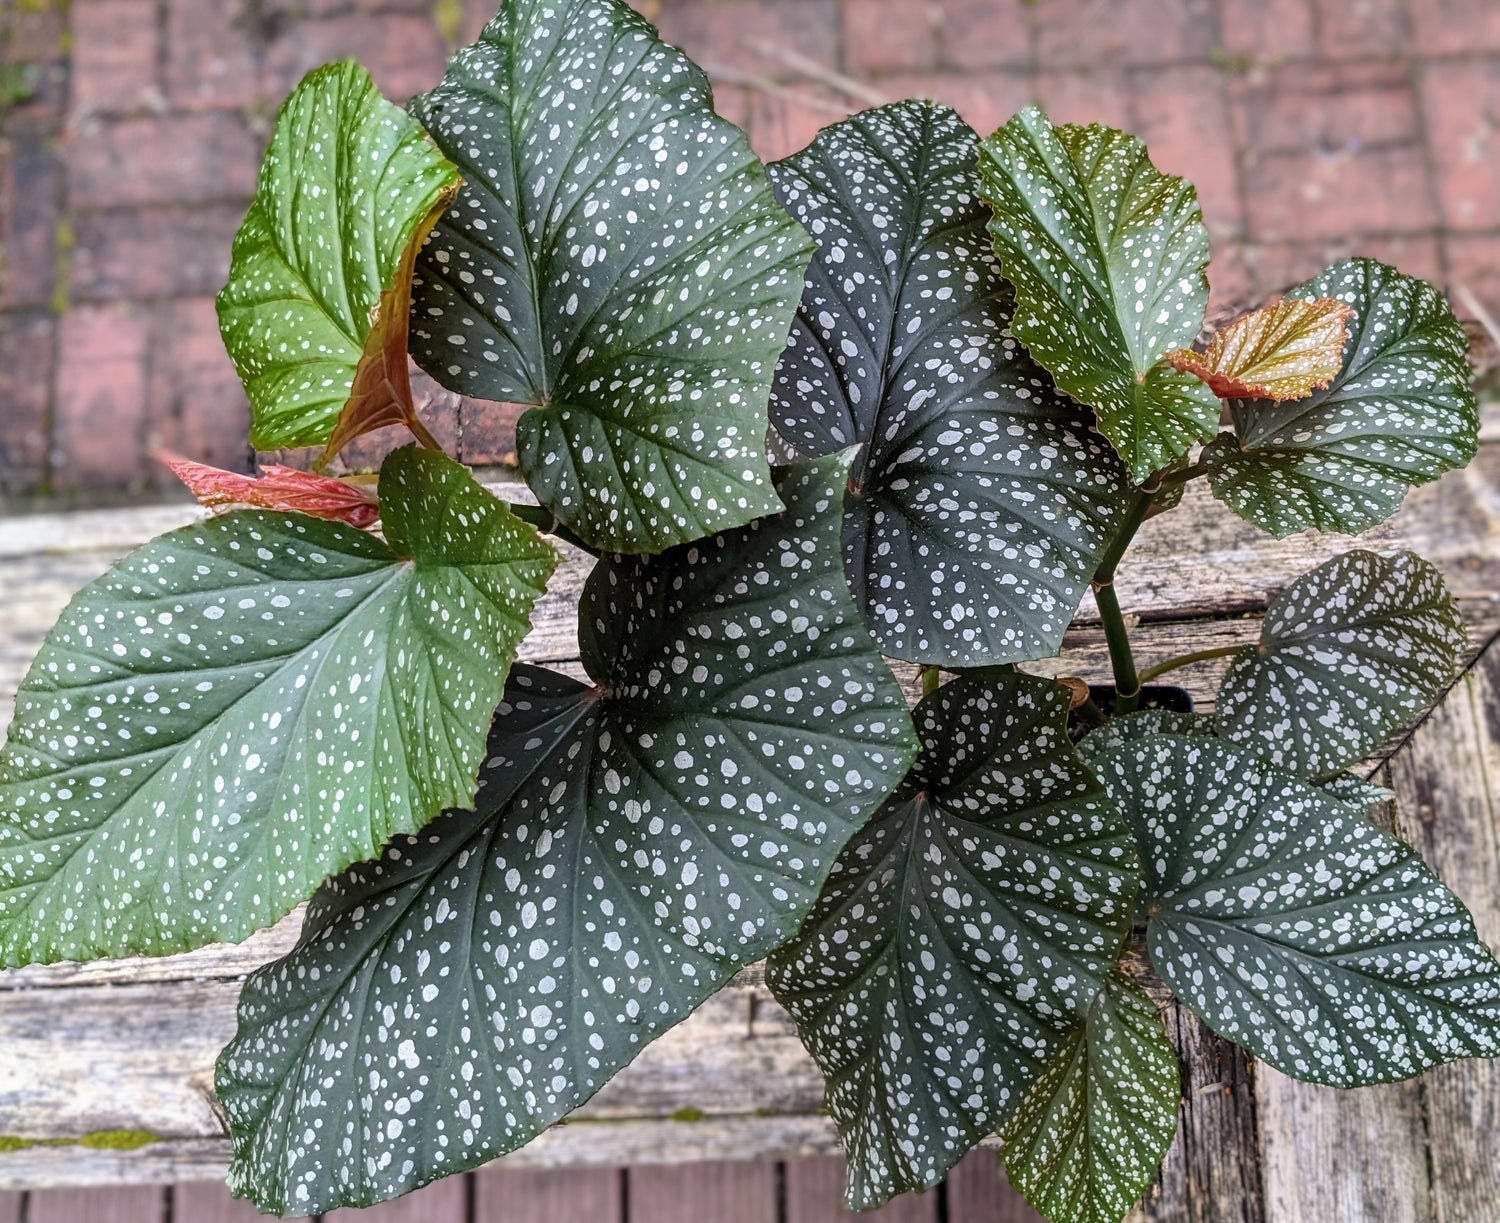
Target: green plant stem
x,y
543,521
1127,688
931,678
1185,660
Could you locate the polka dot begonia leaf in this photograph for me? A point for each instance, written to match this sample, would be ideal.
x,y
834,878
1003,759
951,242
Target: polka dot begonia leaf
x,y
320,272
961,934
1132,726
635,841
1292,925
615,259
983,499
1347,654
1087,1140
1109,259
1358,791
1399,413
247,704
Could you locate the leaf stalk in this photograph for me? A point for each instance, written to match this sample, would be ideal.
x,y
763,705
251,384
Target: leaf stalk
x,y
1186,660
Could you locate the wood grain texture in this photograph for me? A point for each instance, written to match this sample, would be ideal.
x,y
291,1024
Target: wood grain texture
x,y
520,1195
210,1202
814,1192
977,1192
140,1204
10,1207
728,1193
445,1201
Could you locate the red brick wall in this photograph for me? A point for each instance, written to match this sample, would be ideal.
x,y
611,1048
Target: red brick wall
x,y
1313,129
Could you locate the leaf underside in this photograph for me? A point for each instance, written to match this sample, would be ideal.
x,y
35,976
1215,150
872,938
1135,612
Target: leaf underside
x,y
1284,351
245,705
634,843
1292,925
983,500
1087,1140
319,272
1399,413
615,258
960,935
1347,654
1108,257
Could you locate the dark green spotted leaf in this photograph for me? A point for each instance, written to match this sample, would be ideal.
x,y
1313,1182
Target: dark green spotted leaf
x,y
1292,925
1357,792
961,933
616,260
1086,1141
1138,725
1399,413
320,273
635,841
983,500
1347,654
1109,259
245,705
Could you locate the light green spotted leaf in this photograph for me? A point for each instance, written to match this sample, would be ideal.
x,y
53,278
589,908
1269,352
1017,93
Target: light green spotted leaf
x,y
962,932
320,272
1399,413
1087,1140
1292,925
982,500
1347,654
636,840
1109,258
243,706
617,261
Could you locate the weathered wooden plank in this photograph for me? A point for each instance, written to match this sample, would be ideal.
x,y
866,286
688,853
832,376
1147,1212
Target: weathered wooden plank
x,y
814,1191
723,1192
548,1195
10,1208
445,1201
137,1205
210,1202
977,1192
1211,1174
1448,783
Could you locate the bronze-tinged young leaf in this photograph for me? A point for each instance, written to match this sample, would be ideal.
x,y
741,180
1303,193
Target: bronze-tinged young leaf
x,y
1087,1139
277,488
1109,259
1284,351
248,704
616,261
315,312
1400,412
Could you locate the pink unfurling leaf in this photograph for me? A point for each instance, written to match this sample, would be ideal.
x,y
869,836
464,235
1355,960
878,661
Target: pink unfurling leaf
x,y
278,488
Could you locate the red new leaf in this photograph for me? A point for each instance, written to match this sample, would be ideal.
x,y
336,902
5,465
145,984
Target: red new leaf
x,y
278,488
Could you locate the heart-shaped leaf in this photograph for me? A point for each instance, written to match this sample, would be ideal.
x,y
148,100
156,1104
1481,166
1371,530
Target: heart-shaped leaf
x,y
1347,654
277,488
983,500
315,312
1292,925
961,933
1134,726
1087,1140
615,259
1284,351
635,842
246,705
1109,259
1399,413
